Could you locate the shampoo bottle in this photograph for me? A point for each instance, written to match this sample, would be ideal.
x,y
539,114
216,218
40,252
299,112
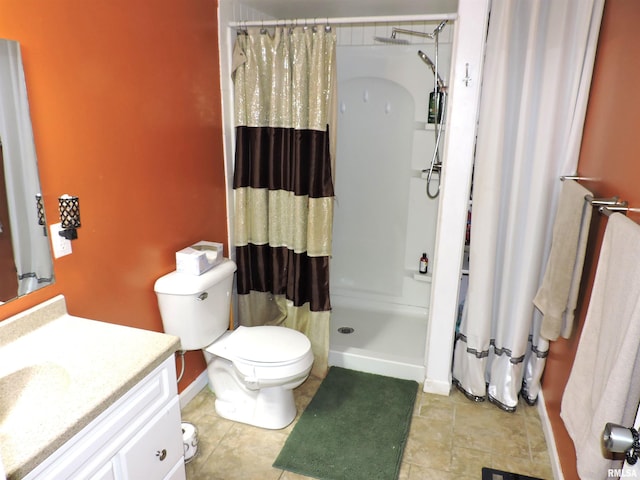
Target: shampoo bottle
x,y
435,107
424,263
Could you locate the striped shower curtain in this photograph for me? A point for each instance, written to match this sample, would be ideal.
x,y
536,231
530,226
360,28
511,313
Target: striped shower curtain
x,y
284,100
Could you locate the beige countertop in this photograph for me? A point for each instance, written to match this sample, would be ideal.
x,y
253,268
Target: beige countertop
x,y
59,372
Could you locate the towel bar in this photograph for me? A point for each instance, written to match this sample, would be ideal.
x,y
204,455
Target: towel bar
x,y
612,202
574,177
607,210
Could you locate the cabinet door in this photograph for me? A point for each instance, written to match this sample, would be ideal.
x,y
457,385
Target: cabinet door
x,y
98,443
105,473
156,448
178,472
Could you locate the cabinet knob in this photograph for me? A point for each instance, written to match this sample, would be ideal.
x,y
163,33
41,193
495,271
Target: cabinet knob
x,y
161,454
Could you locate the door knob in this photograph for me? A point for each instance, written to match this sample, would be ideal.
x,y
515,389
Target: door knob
x,y
619,439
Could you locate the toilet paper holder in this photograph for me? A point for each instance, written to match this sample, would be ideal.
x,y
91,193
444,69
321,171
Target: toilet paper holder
x,y
619,439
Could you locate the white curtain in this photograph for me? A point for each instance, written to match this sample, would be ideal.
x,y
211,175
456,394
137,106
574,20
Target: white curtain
x,y
535,87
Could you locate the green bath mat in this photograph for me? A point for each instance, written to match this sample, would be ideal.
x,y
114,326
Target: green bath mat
x,y
355,428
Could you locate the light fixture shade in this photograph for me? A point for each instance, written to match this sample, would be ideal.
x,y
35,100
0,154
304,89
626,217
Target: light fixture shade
x,y
69,211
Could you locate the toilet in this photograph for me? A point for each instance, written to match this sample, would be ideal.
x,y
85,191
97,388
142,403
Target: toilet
x,y
252,370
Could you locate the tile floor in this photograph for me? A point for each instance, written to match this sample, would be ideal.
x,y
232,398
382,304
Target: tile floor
x,y
450,438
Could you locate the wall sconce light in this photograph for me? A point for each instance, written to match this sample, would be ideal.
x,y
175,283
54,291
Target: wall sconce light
x,y
69,216
40,212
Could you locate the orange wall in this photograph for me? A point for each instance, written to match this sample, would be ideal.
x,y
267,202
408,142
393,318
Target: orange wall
x,y
125,106
610,151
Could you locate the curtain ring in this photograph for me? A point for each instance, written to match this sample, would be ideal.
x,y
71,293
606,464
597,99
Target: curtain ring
x,y
263,31
327,27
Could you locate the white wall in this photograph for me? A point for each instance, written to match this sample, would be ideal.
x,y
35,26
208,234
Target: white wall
x,y
383,217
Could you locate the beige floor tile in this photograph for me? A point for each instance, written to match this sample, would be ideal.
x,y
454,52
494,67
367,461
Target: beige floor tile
x,y
450,438
405,468
436,407
421,473
474,439
467,463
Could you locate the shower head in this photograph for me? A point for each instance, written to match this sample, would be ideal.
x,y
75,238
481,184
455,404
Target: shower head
x,y
392,39
431,65
427,60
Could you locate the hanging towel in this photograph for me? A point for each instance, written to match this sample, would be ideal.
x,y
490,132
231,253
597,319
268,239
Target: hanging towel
x,y
604,384
557,297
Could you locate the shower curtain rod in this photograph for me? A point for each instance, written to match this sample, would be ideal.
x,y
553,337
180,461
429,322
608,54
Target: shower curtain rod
x,y
343,20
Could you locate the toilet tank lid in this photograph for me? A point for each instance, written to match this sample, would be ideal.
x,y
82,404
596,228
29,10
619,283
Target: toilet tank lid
x,y
178,283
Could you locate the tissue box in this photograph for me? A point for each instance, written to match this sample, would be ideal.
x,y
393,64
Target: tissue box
x,y
198,258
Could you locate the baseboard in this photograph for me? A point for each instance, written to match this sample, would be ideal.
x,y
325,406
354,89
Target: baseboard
x,y
193,389
548,435
436,386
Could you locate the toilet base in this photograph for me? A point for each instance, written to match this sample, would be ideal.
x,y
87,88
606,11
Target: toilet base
x,y
272,408
268,407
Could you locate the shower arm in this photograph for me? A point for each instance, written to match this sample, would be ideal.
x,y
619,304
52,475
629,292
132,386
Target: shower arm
x,y
432,35
409,32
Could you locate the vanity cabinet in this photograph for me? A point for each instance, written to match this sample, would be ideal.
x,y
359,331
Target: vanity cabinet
x,y
138,437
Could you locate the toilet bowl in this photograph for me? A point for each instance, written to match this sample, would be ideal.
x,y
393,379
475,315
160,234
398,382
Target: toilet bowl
x,y
251,370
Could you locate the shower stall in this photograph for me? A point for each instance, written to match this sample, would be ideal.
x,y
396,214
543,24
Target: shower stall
x,y
384,220
401,321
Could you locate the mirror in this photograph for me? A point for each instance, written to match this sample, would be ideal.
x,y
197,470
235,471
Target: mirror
x,y
25,254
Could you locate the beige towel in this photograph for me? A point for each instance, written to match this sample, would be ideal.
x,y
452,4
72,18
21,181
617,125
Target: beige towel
x,y
556,299
604,384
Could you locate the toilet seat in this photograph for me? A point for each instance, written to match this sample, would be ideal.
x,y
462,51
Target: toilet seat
x,y
265,356
262,346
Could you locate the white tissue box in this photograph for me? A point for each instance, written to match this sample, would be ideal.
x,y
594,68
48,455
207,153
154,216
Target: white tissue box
x,y
198,258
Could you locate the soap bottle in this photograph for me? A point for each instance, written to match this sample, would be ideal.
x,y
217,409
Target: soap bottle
x,y
424,264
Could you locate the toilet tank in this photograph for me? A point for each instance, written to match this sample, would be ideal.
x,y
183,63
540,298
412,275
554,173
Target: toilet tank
x,y
196,307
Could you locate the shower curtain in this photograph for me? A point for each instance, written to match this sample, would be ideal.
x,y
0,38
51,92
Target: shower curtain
x,y
535,86
284,103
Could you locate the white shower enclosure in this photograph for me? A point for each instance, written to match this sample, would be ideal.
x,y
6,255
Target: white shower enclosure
x,y
383,218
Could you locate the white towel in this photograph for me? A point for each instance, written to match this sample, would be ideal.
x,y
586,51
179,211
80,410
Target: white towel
x,y
604,384
557,296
